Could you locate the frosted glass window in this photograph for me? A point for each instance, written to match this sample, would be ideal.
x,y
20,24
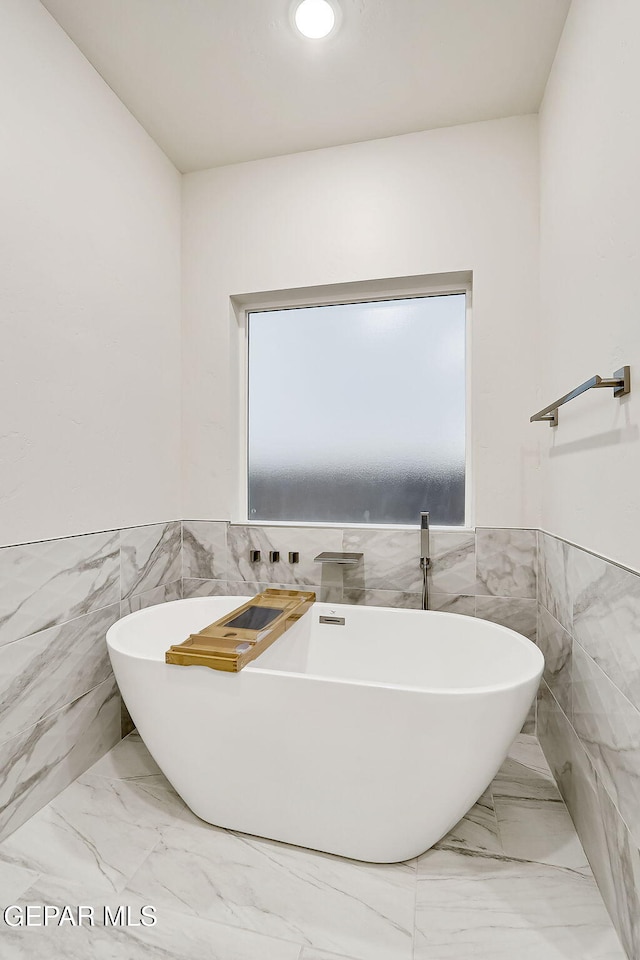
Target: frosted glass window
x,y
357,412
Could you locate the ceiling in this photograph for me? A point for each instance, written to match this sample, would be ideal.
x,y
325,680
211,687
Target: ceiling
x,y
223,81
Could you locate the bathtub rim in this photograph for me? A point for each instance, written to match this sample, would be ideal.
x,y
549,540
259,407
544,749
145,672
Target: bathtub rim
x,y
251,668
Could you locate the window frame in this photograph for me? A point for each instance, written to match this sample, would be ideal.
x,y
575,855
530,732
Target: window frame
x,y
404,288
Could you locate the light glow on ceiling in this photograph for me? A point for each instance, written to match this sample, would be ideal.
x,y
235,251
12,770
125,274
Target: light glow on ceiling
x,y
315,19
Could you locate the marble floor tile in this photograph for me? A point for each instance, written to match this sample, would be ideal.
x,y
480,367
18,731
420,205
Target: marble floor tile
x,y
129,760
119,837
204,549
360,910
14,881
527,752
175,936
540,830
97,832
47,670
514,783
496,908
149,557
44,584
506,562
478,829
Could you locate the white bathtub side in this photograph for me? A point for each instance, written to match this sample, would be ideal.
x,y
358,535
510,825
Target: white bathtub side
x,y
362,770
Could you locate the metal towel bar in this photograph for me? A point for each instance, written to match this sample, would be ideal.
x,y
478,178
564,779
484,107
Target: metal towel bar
x,y
620,383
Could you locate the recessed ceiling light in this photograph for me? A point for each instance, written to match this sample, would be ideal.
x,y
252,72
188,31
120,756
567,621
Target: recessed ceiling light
x,y
315,19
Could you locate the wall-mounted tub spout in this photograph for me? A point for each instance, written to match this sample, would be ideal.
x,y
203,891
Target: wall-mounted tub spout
x,y
425,559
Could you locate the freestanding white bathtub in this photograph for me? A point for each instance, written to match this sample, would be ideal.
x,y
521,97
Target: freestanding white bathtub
x,y
369,739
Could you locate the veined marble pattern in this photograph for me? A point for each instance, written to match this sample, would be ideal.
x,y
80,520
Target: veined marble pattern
x,y
391,560
119,836
162,594
44,584
14,881
478,829
383,598
218,588
516,613
97,832
486,906
606,618
613,855
129,760
608,726
150,556
40,762
506,563
283,891
554,591
307,541
449,603
556,645
176,936
204,549
453,568
43,672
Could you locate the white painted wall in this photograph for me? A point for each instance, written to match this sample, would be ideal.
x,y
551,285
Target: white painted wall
x,y
89,296
590,260
461,198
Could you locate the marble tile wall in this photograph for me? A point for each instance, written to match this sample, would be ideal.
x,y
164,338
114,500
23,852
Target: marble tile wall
x,y
60,709
489,573
589,714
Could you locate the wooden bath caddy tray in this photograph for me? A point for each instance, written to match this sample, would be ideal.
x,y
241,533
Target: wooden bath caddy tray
x,y
242,635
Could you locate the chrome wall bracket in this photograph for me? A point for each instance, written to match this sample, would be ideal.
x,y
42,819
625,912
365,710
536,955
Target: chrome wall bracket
x,y
620,382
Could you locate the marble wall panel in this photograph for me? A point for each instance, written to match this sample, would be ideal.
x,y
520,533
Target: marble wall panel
x,y
391,560
204,550
308,542
556,645
450,603
453,563
383,598
608,726
162,594
611,851
150,556
606,618
516,613
41,761
43,672
553,578
46,583
506,563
